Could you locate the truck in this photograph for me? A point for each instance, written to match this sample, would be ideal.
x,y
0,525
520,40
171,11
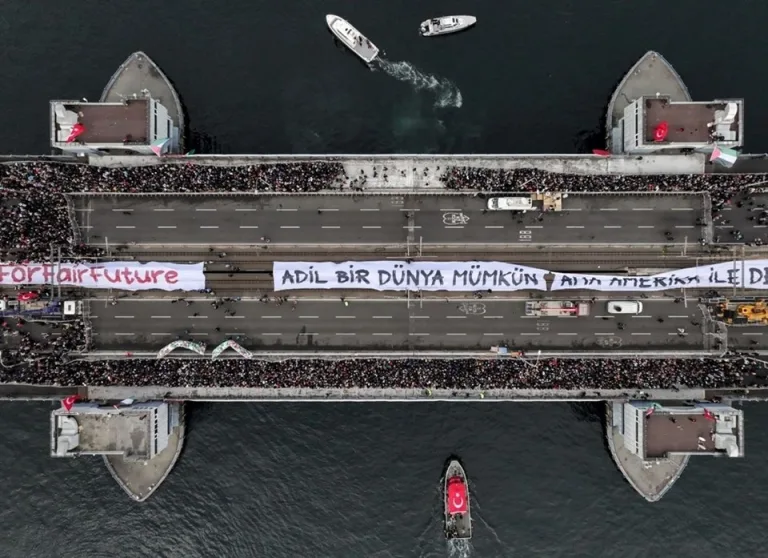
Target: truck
x,y
556,308
40,308
740,313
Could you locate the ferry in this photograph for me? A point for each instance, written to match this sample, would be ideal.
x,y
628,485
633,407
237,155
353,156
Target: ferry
x,y
352,38
458,521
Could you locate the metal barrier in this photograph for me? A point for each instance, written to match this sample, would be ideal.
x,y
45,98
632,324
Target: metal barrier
x,y
76,235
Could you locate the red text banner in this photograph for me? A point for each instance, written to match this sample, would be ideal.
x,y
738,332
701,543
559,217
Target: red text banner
x,y
127,276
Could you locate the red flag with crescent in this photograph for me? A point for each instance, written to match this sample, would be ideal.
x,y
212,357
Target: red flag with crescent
x,y
661,131
67,402
77,130
457,495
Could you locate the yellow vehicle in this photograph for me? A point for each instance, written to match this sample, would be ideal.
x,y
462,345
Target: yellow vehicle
x,y
742,313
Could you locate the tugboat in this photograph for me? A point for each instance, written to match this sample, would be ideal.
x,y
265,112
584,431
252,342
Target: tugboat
x,y
458,521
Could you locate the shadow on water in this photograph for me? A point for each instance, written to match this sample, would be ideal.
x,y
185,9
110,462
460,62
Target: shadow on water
x,y
588,411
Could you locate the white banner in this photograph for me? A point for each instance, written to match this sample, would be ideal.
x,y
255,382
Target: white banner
x,y
748,274
127,276
401,276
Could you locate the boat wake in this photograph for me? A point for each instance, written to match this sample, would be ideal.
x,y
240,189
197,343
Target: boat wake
x,y
445,91
459,548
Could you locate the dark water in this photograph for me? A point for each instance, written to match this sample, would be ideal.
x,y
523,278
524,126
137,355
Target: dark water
x,y
363,480
356,480
262,76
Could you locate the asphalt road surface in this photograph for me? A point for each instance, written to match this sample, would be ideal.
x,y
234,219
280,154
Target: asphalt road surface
x,y
146,324
384,219
742,215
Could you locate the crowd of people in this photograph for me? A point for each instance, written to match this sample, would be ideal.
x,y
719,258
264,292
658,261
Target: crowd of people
x,y
48,362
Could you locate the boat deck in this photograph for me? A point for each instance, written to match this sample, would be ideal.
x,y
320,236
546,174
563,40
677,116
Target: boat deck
x,y
139,74
650,75
354,40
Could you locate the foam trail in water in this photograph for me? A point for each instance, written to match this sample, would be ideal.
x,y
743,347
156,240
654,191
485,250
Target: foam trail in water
x,y
445,91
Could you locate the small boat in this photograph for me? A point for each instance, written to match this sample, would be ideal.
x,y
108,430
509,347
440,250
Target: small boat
x,y
445,25
352,38
458,521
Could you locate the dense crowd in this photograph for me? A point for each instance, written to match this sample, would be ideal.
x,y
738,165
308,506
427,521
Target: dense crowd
x,y
48,363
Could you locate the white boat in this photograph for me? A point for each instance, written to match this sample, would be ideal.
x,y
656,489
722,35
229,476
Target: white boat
x,y
446,24
352,38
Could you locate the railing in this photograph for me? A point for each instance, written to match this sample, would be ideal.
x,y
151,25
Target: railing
x,y
76,235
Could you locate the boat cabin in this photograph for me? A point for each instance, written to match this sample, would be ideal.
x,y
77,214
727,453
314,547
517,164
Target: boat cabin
x,y
456,496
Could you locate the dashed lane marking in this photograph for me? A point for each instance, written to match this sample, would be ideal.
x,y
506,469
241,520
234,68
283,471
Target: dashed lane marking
x,y
125,227
247,209
125,334
493,334
678,333
206,335
289,226
682,209
381,334
234,317
567,333
309,317
209,226
123,317
456,317
645,226
286,209
677,316
204,209
160,334
574,227
603,333
328,209
304,333
443,209
534,226
454,227
369,209
122,210
609,209
494,226
683,226
412,227
275,334
271,317
346,334
635,317
752,333
162,209
493,317
530,334
160,317
196,317
345,317
418,334
166,226
331,227
640,333
248,227
642,209
455,334
371,226
611,226
420,317
382,317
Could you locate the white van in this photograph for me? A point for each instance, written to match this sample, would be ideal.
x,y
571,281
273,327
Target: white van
x,y
625,307
510,204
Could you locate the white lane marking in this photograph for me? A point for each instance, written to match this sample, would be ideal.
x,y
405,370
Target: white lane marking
x,y
125,334
529,334
289,226
641,334
345,317
603,333
611,226
206,335
402,209
493,334
346,334
286,209
271,317
493,317
534,226
331,227
166,226
308,317
752,333
368,209
160,317
162,209
411,227
456,317
683,226
682,209
196,317
642,209
456,334
126,209
609,209
420,317
567,333
443,209
677,316
234,317
645,226
204,209
759,226
309,334
328,209
85,226
159,333
124,317
415,334
382,334
641,316
248,227
371,226
611,317
574,227
494,226
678,333
575,209
209,226
454,227
382,317
247,209
125,227
278,334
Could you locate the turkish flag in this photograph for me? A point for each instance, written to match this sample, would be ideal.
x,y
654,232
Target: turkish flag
x,y
77,130
67,402
661,131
